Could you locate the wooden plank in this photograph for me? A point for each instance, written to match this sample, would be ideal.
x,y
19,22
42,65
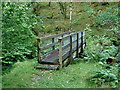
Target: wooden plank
x,y
66,38
71,57
49,53
60,53
55,60
74,49
46,66
53,36
79,37
77,46
81,42
64,47
73,34
65,56
50,45
53,41
68,44
51,59
38,46
74,41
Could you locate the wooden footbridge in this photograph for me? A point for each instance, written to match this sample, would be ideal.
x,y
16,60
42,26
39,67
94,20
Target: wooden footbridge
x,y
62,50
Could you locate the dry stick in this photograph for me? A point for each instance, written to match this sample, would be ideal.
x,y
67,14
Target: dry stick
x,y
71,56
60,53
38,47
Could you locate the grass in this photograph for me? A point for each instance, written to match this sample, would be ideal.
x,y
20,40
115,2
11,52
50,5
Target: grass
x,y
74,76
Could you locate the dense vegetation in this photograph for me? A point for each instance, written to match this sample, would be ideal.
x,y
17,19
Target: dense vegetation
x,y
23,22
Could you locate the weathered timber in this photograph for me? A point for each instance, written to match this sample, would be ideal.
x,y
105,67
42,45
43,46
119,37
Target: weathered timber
x,y
79,37
73,34
50,53
81,42
38,46
64,53
53,40
51,59
50,45
74,41
64,47
66,38
54,60
46,66
71,57
74,49
60,53
77,46
65,56
54,36
68,45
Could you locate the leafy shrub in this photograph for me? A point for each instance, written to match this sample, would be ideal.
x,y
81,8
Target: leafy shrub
x,y
107,18
104,76
97,52
17,35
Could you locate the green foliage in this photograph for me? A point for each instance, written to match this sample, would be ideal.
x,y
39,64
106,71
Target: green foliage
x,y
99,45
105,76
63,8
20,76
108,17
99,48
17,35
88,10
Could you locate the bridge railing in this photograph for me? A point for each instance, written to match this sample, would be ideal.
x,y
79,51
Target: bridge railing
x,y
68,43
52,39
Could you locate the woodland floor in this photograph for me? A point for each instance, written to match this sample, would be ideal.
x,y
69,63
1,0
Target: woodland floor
x,y
73,76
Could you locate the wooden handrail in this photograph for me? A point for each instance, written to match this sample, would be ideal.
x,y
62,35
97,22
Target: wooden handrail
x,y
50,45
53,36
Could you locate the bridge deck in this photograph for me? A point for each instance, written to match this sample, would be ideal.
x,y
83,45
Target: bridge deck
x,y
51,58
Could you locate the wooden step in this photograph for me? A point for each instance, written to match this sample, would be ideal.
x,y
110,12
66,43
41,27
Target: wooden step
x,y
46,66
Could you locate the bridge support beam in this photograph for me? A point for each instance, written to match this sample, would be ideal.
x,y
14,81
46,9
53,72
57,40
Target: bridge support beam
x,y
77,46
60,53
53,40
81,51
71,55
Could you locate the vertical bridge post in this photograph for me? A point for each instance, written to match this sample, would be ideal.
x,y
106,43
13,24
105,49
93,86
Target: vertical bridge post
x,y
84,39
60,53
77,49
53,40
71,56
38,47
81,52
